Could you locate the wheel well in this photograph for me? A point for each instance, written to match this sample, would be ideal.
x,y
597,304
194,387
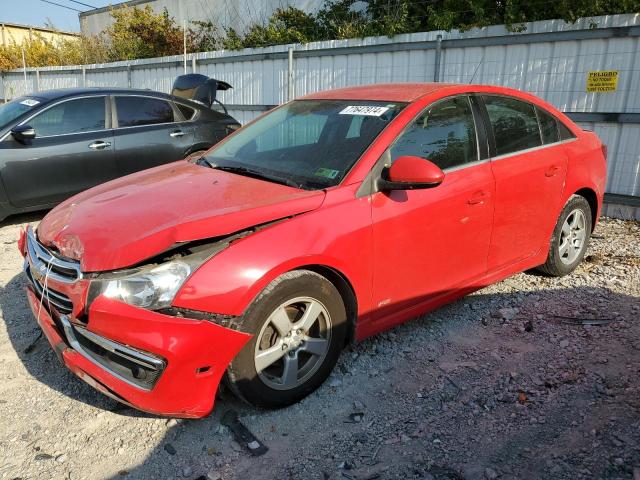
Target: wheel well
x,y
346,292
591,197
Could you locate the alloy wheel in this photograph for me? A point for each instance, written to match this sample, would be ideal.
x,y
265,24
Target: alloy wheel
x,y
293,343
572,237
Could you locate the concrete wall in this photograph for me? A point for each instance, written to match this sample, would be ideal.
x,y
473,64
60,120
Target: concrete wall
x,y
236,14
11,33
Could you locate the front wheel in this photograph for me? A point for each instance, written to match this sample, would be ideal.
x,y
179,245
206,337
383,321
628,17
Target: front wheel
x,y
570,238
298,325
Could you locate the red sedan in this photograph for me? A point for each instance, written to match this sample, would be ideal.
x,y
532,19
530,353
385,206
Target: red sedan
x,y
326,220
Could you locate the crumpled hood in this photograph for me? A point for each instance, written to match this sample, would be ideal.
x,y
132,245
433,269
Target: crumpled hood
x,y
128,220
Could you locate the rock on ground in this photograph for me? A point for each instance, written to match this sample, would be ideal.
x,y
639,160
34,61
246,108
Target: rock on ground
x,y
530,378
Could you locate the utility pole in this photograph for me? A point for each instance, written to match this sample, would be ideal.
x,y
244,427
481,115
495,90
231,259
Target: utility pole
x,y
184,44
24,69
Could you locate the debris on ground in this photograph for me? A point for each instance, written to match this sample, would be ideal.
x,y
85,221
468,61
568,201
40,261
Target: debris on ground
x,y
494,385
242,434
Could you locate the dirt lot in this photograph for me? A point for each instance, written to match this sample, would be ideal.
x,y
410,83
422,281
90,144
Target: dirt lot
x,y
530,378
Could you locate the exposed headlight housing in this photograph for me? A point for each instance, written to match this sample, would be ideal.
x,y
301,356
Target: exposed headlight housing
x,y
152,288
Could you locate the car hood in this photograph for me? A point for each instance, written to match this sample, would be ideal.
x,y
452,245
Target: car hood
x,y
128,220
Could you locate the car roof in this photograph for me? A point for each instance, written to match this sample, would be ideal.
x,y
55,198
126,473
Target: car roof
x,y
393,92
49,95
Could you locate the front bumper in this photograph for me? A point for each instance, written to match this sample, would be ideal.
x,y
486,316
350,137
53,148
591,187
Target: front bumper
x,y
193,353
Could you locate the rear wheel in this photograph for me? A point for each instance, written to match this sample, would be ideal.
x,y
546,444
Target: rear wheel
x,y
570,238
298,325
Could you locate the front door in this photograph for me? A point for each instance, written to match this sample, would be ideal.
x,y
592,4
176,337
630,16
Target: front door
x,y
72,151
149,133
428,243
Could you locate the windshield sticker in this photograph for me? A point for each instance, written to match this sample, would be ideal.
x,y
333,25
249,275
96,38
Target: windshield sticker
x,y
368,110
326,172
29,102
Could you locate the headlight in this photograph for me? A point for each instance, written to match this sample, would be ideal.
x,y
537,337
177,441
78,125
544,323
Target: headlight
x,y
152,289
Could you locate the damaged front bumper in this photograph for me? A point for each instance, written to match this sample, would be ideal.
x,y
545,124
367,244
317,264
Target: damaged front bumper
x,y
154,362
158,363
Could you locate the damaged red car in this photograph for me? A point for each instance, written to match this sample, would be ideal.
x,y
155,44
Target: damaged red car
x,y
322,222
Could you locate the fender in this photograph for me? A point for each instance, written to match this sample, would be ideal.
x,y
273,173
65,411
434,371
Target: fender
x,y
228,282
587,169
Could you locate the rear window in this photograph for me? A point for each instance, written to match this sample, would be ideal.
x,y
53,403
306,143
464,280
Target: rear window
x,y
548,127
514,123
137,111
564,132
187,112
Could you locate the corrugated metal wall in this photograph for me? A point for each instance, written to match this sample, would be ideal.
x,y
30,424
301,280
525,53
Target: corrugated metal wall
x,y
555,70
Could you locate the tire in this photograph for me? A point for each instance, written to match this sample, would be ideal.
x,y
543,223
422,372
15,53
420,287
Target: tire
x,y
573,226
262,374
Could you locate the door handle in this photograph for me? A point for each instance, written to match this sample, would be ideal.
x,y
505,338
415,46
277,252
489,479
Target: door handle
x,y
552,171
177,134
99,145
478,198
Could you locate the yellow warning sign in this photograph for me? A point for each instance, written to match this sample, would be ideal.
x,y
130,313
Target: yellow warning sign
x,y
602,81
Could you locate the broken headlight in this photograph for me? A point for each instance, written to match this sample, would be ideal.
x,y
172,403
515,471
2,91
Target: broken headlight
x,y
151,288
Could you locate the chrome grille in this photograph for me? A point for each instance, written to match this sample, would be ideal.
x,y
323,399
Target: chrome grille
x,y
59,300
42,264
43,261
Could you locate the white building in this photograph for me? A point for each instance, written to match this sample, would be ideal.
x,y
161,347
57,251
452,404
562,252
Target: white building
x,y
236,14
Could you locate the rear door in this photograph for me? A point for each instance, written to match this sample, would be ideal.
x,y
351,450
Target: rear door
x,y
529,164
72,151
150,131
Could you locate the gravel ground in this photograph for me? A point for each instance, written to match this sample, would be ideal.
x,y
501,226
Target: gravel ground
x,y
511,382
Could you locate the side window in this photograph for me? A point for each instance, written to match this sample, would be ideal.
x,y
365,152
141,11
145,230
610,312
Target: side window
x,y
514,123
444,134
187,112
73,116
548,127
565,133
136,111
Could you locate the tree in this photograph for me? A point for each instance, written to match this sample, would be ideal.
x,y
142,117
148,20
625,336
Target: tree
x,y
142,33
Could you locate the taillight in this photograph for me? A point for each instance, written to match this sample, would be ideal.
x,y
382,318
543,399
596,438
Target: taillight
x,y
604,150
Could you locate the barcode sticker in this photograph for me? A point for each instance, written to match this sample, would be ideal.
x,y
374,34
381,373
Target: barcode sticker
x,y
368,110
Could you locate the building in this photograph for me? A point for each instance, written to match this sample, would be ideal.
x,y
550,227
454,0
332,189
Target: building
x,y
236,14
11,33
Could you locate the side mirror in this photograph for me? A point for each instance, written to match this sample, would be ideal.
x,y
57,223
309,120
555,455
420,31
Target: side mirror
x,y
411,173
22,133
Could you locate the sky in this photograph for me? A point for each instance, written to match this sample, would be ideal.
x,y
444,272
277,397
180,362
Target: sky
x,y
38,13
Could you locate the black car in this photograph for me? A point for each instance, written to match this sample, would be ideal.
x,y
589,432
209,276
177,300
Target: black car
x,y
57,143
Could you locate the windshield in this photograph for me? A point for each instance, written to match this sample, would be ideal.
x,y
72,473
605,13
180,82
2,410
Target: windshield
x,y
15,108
310,144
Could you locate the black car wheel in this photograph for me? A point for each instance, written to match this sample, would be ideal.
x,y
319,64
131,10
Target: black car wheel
x,y
298,325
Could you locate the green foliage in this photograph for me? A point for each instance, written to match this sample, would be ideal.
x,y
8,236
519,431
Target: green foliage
x,y
142,33
289,25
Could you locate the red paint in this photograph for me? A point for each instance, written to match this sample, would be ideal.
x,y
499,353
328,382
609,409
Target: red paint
x,y
186,345
415,169
401,252
172,203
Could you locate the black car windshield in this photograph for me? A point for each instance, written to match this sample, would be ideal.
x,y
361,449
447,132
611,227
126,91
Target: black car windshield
x,y
310,144
15,108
